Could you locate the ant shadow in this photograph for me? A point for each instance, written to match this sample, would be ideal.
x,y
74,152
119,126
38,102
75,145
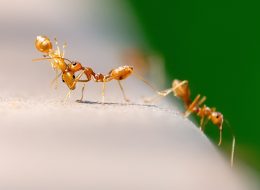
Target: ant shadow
x,y
115,103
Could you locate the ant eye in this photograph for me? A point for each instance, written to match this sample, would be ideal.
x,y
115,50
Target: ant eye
x,y
74,76
74,63
63,80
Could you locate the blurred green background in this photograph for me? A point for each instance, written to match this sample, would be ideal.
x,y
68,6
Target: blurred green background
x,y
216,46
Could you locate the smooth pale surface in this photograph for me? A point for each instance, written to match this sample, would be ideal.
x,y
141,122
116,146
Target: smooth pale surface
x,y
46,144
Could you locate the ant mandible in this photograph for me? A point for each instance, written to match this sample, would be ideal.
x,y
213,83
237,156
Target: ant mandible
x,y
70,68
181,90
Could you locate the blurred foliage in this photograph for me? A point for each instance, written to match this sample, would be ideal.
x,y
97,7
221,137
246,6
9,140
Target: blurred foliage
x,y
216,46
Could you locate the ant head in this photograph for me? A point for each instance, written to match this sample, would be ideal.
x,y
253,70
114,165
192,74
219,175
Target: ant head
x,y
69,78
131,68
217,119
75,66
182,88
43,44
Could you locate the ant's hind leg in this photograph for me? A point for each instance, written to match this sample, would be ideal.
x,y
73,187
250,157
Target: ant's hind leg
x,y
159,95
196,102
123,92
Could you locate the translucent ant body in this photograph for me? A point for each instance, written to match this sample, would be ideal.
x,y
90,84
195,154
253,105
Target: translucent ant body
x,y
181,90
69,68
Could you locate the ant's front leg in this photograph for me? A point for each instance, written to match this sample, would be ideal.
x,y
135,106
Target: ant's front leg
x,y
67,96
159,95
83,89
84,71
123,92
82,92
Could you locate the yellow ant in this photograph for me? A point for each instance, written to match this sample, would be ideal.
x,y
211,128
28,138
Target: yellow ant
x,y
181,90
70,68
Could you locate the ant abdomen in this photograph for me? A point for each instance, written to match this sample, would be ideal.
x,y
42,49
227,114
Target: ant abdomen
x,y
43,44
121,72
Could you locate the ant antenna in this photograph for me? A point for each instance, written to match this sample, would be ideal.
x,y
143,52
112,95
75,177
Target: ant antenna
x,y
63,49
103,92
49,58
58,48
233,143
68,60
220,136
147,83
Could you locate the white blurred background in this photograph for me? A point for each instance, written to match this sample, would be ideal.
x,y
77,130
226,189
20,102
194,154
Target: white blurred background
x,y
99,34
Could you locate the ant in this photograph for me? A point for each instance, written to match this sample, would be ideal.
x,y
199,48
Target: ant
x,y
68,69
181,90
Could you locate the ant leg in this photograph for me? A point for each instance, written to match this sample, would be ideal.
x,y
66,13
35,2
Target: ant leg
x,y
55,80
103,92
220,137
67,96
191,106
77,80
203,99
123,92
159,95
202,124
82,92
167,91
194,104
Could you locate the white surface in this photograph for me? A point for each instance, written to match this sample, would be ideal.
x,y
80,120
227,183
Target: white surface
x,y
46,144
